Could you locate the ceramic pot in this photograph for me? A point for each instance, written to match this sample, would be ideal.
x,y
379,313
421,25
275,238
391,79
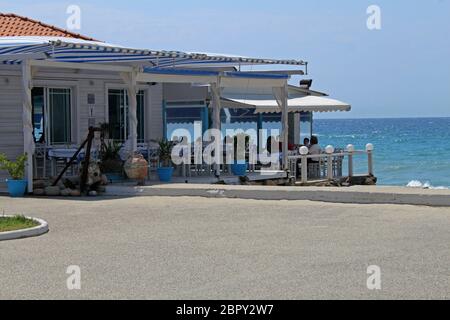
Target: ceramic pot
x,y
136,167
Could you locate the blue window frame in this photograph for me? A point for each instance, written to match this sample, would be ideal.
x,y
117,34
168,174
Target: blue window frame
x,y
184,115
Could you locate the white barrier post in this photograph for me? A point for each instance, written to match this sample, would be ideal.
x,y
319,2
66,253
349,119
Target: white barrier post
x,y
369,149
350,150
329,150
304,152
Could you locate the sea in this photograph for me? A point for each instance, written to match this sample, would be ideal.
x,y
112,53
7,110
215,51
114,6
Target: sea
x,y
412,152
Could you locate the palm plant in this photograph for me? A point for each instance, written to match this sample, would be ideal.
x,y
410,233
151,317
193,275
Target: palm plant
x,y
165,152
110,157
16,169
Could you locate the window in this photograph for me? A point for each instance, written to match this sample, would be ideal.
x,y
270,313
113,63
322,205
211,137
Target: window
x,y
239,120
52,115
59,114
118,112
185,115
306,120
38,100
272,122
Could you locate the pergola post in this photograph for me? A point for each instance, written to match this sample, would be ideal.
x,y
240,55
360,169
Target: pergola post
x,y
132,90
27,111
281,95
216,93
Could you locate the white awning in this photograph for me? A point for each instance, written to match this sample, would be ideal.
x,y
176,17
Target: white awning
x,y
297,104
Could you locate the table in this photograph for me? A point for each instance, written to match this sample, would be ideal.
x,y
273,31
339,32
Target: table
x,y
65,154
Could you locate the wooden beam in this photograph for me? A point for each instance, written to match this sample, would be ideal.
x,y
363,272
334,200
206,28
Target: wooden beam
x,y
170,78
81,66
283,72
130,80
27,110
281,95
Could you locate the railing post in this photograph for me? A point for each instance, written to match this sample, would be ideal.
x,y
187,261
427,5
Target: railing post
x,y
369,149
304,169
329,150
304,153
350,150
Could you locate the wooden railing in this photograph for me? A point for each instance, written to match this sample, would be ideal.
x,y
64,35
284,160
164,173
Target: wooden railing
x,y
328,165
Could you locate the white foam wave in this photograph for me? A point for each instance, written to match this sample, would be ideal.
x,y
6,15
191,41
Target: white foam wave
x,y
427,185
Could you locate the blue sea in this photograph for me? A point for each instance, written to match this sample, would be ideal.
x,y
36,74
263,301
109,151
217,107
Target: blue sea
x,y
410,151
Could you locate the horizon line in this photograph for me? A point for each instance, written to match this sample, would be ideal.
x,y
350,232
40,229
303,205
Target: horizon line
x,y
380,118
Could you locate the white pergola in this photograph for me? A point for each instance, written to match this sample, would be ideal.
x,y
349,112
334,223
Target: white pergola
x,y
143,66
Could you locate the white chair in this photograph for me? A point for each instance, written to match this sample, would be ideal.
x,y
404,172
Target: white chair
x,y
40,161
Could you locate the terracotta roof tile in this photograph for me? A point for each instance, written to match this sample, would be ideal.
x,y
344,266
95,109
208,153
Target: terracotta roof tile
x,y
12,25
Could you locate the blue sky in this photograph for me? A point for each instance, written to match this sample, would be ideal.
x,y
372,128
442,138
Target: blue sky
x,y
401,70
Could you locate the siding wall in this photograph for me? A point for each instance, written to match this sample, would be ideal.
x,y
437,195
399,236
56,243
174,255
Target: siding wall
x,y
82,84
155,116
11,136
184,92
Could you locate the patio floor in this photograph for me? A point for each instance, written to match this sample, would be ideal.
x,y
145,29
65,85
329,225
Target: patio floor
x,y
210,179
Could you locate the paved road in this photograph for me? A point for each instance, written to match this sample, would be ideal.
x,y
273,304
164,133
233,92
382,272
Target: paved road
x,y
194,248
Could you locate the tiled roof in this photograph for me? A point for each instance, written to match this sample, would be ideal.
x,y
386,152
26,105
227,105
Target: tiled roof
x,y
12,25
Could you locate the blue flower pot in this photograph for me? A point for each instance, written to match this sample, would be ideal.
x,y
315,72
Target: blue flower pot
x,y
17,188
239,169
165,174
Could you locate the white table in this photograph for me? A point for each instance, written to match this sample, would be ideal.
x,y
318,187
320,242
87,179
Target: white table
x,y
62,153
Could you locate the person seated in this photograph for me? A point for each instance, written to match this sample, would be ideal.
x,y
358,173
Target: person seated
x,y
314,148
306,142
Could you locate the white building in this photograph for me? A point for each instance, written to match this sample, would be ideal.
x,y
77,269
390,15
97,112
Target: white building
x,y
55,84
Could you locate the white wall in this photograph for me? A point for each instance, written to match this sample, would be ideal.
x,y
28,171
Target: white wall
x,y
11,133
155,116
82,84
174,92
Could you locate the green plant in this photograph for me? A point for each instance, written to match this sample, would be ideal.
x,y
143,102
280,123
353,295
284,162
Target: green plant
x,y
110,157
16,223
165,151
110,151
16,169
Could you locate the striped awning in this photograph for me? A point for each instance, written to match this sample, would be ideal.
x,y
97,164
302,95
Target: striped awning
x,y
13,50
295,104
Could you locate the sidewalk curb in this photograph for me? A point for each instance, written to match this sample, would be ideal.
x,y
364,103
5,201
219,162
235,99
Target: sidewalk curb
x,y
285,193
26,233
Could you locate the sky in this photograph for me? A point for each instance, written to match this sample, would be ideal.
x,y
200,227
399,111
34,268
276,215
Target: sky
x,y
400,70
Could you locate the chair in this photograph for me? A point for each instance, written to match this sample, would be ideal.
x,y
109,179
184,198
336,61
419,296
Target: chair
x,y
337,166
152,159
314,169
40,161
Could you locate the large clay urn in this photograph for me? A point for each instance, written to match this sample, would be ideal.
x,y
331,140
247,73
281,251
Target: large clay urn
x,y
136,167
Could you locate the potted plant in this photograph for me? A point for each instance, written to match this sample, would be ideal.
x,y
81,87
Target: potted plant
x,y
165,170
111,164
17,186
241,145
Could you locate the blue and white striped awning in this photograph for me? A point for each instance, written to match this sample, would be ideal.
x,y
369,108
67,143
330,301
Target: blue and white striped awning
x,y
13,50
